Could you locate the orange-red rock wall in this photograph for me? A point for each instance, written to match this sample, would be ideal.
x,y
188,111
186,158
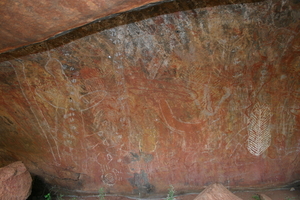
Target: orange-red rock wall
x,y
24,22
187,98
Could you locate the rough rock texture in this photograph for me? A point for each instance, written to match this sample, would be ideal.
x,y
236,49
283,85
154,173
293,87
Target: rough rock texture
x,y
24,22
216,192
182,93
264,197
15,182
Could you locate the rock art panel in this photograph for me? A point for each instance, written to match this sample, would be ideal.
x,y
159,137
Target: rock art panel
x,y
193,96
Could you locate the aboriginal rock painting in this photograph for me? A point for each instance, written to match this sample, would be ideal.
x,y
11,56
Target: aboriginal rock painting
x,y
259,138
209,94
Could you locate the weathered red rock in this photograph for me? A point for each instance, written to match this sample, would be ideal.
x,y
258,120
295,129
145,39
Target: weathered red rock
x,y
182,94
264,197
15,182
216,192
24,22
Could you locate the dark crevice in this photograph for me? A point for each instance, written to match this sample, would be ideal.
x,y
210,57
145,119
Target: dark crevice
x,y
39,189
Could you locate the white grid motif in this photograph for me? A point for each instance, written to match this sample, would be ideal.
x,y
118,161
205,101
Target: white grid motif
x,y
259,133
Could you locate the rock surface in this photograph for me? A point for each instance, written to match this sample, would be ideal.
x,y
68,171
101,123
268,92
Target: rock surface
x,y
181,93
264,197
216,192
15,182
38,20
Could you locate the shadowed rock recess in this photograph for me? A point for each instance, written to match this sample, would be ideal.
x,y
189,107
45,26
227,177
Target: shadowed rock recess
x,y
185,93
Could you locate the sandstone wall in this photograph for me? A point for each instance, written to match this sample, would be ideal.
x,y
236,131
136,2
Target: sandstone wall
x,y
181,94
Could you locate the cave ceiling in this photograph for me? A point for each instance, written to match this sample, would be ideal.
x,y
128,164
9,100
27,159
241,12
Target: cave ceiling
x,y
26,22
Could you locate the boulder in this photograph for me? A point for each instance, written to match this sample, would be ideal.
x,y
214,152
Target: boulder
x,y
216,192
15,182
264,197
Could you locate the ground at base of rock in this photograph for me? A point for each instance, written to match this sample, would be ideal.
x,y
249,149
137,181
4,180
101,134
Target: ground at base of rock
x,y
279,194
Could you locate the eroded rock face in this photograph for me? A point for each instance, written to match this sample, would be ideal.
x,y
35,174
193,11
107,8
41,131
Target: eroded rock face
x,y
24,22
190,97
15,182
